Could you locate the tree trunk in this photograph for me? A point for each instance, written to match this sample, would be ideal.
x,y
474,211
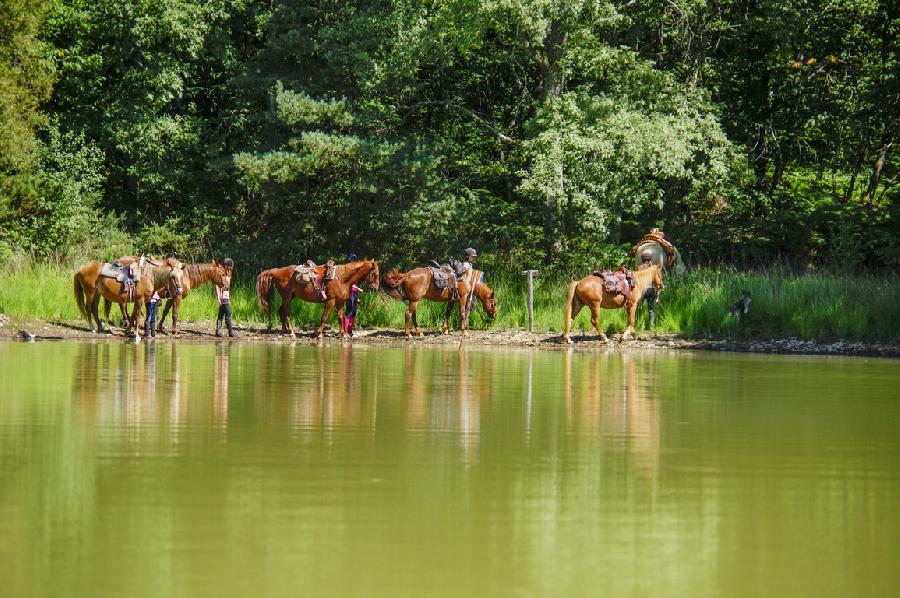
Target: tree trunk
x,y
552,86
760,157
857,165
876,173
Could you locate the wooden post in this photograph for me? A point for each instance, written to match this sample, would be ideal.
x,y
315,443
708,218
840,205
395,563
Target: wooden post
x,y
530,274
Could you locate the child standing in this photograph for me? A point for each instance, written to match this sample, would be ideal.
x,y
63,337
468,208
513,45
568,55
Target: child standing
x,y
352,303
152,307
223,293
351,307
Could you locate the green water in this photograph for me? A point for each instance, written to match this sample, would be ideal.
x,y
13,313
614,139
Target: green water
x,y
248,470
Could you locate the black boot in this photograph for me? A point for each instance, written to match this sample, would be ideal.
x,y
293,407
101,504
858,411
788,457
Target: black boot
x,y
230,329
218,327
652,319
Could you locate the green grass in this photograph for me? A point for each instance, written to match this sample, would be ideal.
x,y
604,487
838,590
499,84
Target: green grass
x,y
809,306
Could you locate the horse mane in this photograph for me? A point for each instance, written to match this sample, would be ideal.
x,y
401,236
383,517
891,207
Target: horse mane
x,y
199,273
158,273
482,291
648,273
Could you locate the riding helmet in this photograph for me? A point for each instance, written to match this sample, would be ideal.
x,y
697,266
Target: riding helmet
x,y
228,262
470,252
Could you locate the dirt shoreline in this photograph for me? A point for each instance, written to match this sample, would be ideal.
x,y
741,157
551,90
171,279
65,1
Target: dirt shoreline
x,y
203,331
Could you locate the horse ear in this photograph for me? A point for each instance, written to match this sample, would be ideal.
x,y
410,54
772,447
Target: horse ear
x,y
492,294
216,263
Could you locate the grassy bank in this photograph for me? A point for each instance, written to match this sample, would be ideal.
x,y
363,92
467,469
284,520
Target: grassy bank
x,y
809,306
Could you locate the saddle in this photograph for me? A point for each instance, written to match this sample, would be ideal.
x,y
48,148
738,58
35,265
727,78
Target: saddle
x,y
128,276
318,276
657,236
619,282
446,276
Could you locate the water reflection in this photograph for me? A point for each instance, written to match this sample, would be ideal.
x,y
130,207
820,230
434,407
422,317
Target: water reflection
x,y
331,391
225,469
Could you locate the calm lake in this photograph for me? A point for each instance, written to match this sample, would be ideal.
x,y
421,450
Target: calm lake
x,y
357,470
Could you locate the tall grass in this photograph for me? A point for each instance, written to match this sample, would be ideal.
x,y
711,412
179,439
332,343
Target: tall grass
x,y
810,306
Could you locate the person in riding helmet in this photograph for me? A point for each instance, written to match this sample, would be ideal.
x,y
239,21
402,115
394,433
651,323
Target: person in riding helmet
x,y
223,294
650,295
468,261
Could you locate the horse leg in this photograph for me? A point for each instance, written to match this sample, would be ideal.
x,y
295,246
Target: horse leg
x,y
567,325
329,305
176,303
161,324
410,313
595,320
632,311
135,318
284,312
463,316
447,312
92,301
415,321
340,311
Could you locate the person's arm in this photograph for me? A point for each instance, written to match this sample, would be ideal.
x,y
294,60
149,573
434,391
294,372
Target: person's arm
x,y
219,293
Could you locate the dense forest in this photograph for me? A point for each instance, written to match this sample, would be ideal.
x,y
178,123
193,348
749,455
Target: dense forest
x,y
541,132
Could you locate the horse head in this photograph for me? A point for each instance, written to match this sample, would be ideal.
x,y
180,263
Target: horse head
x,y
221,276
488,299
176,275
374,276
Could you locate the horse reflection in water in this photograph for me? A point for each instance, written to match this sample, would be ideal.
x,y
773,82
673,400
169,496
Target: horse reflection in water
x,y
142,389
610,399
443,393
321,395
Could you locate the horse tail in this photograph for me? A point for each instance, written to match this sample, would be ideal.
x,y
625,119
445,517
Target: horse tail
x,y
570,306
265,292
79,297
392,281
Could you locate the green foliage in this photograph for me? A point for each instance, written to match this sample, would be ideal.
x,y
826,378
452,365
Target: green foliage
x,y
25,81
536,130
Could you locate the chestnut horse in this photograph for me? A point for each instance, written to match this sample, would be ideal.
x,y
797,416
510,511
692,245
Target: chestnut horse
x,y
194,275
337,291
589,292
85,287
153,278
416,285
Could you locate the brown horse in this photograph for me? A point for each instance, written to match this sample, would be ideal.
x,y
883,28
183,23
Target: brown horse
x,y
337,291
589,291
194,275
415,285
153,278
85,287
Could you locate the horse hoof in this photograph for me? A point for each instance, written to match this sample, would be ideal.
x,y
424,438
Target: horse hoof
x,y
568,341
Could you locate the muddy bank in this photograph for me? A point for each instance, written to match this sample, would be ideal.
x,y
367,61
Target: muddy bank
x,y
203,331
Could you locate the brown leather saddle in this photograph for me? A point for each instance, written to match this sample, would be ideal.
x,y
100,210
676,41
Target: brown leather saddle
x,y
446,276
618,282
